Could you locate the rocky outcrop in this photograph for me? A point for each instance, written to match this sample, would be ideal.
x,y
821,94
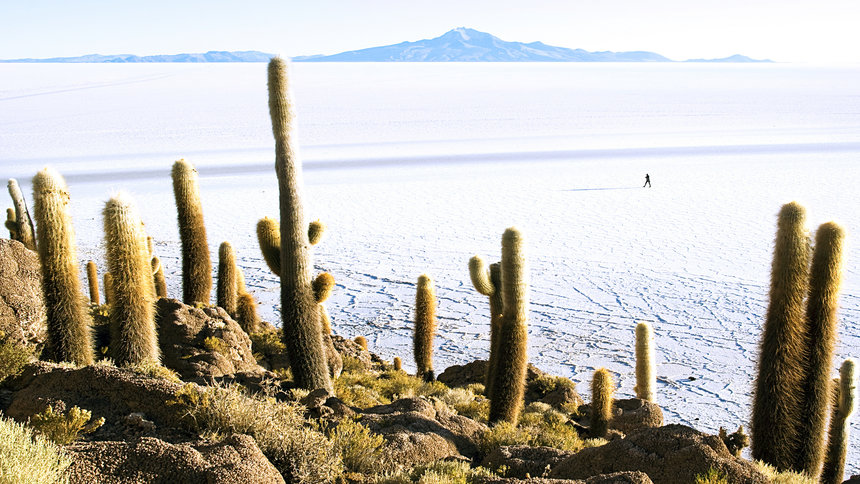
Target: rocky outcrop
x,y
629,415
234,460
614,478
674,454
350,349
522,460
22,306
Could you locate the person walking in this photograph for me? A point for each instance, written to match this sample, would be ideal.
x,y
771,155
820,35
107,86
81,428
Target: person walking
x,y
647,181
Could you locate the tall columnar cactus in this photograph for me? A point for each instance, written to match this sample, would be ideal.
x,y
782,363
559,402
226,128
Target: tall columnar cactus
x,y
93,280
602,394
196,266
425,328
645,377
158,280
821,305
24,224
108,283
227,288
68,321
489,283
302,331
778,401
132,316
508,385
834,463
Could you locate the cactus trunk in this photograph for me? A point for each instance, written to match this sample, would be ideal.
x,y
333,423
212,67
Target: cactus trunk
x,y
425,328
93,281
158,280
196,266
602,392
227,288
24,224
834,463
645,378
246,313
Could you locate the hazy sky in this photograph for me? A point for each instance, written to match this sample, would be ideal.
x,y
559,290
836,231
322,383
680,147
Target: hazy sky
x,y
783,30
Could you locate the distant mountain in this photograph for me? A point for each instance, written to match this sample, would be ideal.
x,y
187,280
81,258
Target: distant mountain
x,y
211,56
733,58
468,45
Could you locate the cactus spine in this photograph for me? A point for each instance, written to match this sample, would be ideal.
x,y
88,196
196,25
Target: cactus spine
x,y
489,283
602,393
821,305
834,464
227,288
23,223
196,266
645,378
93,280
777,401
425,328
301,321
132,316
508,385
68,322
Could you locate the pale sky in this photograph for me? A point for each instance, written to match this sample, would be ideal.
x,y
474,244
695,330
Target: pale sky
x,y
782,30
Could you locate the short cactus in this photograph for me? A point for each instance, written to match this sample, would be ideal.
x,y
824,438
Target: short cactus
x,y
24,231
93,281
132,316
323,285
227,287
645,377
846,391
12,223
361,341
425,327
108,283
158,280
68,321
196,266
602,394
488,283
269,238
316,229
397,363
246,313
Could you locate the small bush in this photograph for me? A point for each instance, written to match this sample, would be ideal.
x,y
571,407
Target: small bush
x,y
359,448
352,364
13,357
267,343
154,369
367,388
539,425
28,458
440,472
216,344
787,477
713,476
64,427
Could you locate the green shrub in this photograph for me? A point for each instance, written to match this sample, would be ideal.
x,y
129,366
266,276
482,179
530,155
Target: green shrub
x,y
352,364
359,448
367,389
539,425
64,427
440,472
266,344
29,458
216,344
13,357
713,476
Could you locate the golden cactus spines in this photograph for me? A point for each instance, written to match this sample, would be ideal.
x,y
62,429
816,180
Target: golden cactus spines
x,y
158,280
397,363
646,379
509,375
196,265
93,282
269,238
226,290
821,305
132,316
302,331
316,230
777,401
323,286
361,341
480,276
240,281
488,283
68,321
602,394
108,283
25,233
246,313
837,448
425,327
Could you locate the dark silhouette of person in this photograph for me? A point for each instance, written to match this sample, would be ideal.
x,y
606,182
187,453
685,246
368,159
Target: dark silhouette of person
x,y
647,181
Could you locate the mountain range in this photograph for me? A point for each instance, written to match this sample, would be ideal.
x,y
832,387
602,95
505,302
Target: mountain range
x,y
457,45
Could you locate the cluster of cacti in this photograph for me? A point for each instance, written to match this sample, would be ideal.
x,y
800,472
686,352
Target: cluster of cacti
x,y
18,220
646,380
196,266
132,315
489,282
602,394
843,406
425,328
792,390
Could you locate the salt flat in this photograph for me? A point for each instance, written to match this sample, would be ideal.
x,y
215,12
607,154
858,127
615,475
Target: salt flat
x,y
417,167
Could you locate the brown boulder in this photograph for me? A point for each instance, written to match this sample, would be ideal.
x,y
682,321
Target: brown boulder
x,y
202,343
236,459
614,478
522,460
630,414
674,454
22,306
350,349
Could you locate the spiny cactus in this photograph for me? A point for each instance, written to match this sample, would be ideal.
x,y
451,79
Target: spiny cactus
x,y
108,283
834,463
246,313
645,377
132,316
12,224
196,266
425,327
361,341
227,288
93,280
508,386
489,283
322,286
158,280
68,321
302,327
777,402
821,305
316,229
24,231
397,363
602,394
269,239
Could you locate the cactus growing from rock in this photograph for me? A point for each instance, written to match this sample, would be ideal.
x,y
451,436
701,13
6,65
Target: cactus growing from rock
x,y
777,401
24,231
834,463
158,280
68,321
821,305
132,315
488,283
227,287
93,282
196,266
508,385
602,393
301,328
425,327
645,377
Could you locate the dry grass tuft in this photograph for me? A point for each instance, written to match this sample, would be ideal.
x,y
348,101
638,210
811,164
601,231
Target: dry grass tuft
x,y
787,477
29,458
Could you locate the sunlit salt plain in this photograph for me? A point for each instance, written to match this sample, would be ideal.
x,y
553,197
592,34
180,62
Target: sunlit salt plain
x,y
414,168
